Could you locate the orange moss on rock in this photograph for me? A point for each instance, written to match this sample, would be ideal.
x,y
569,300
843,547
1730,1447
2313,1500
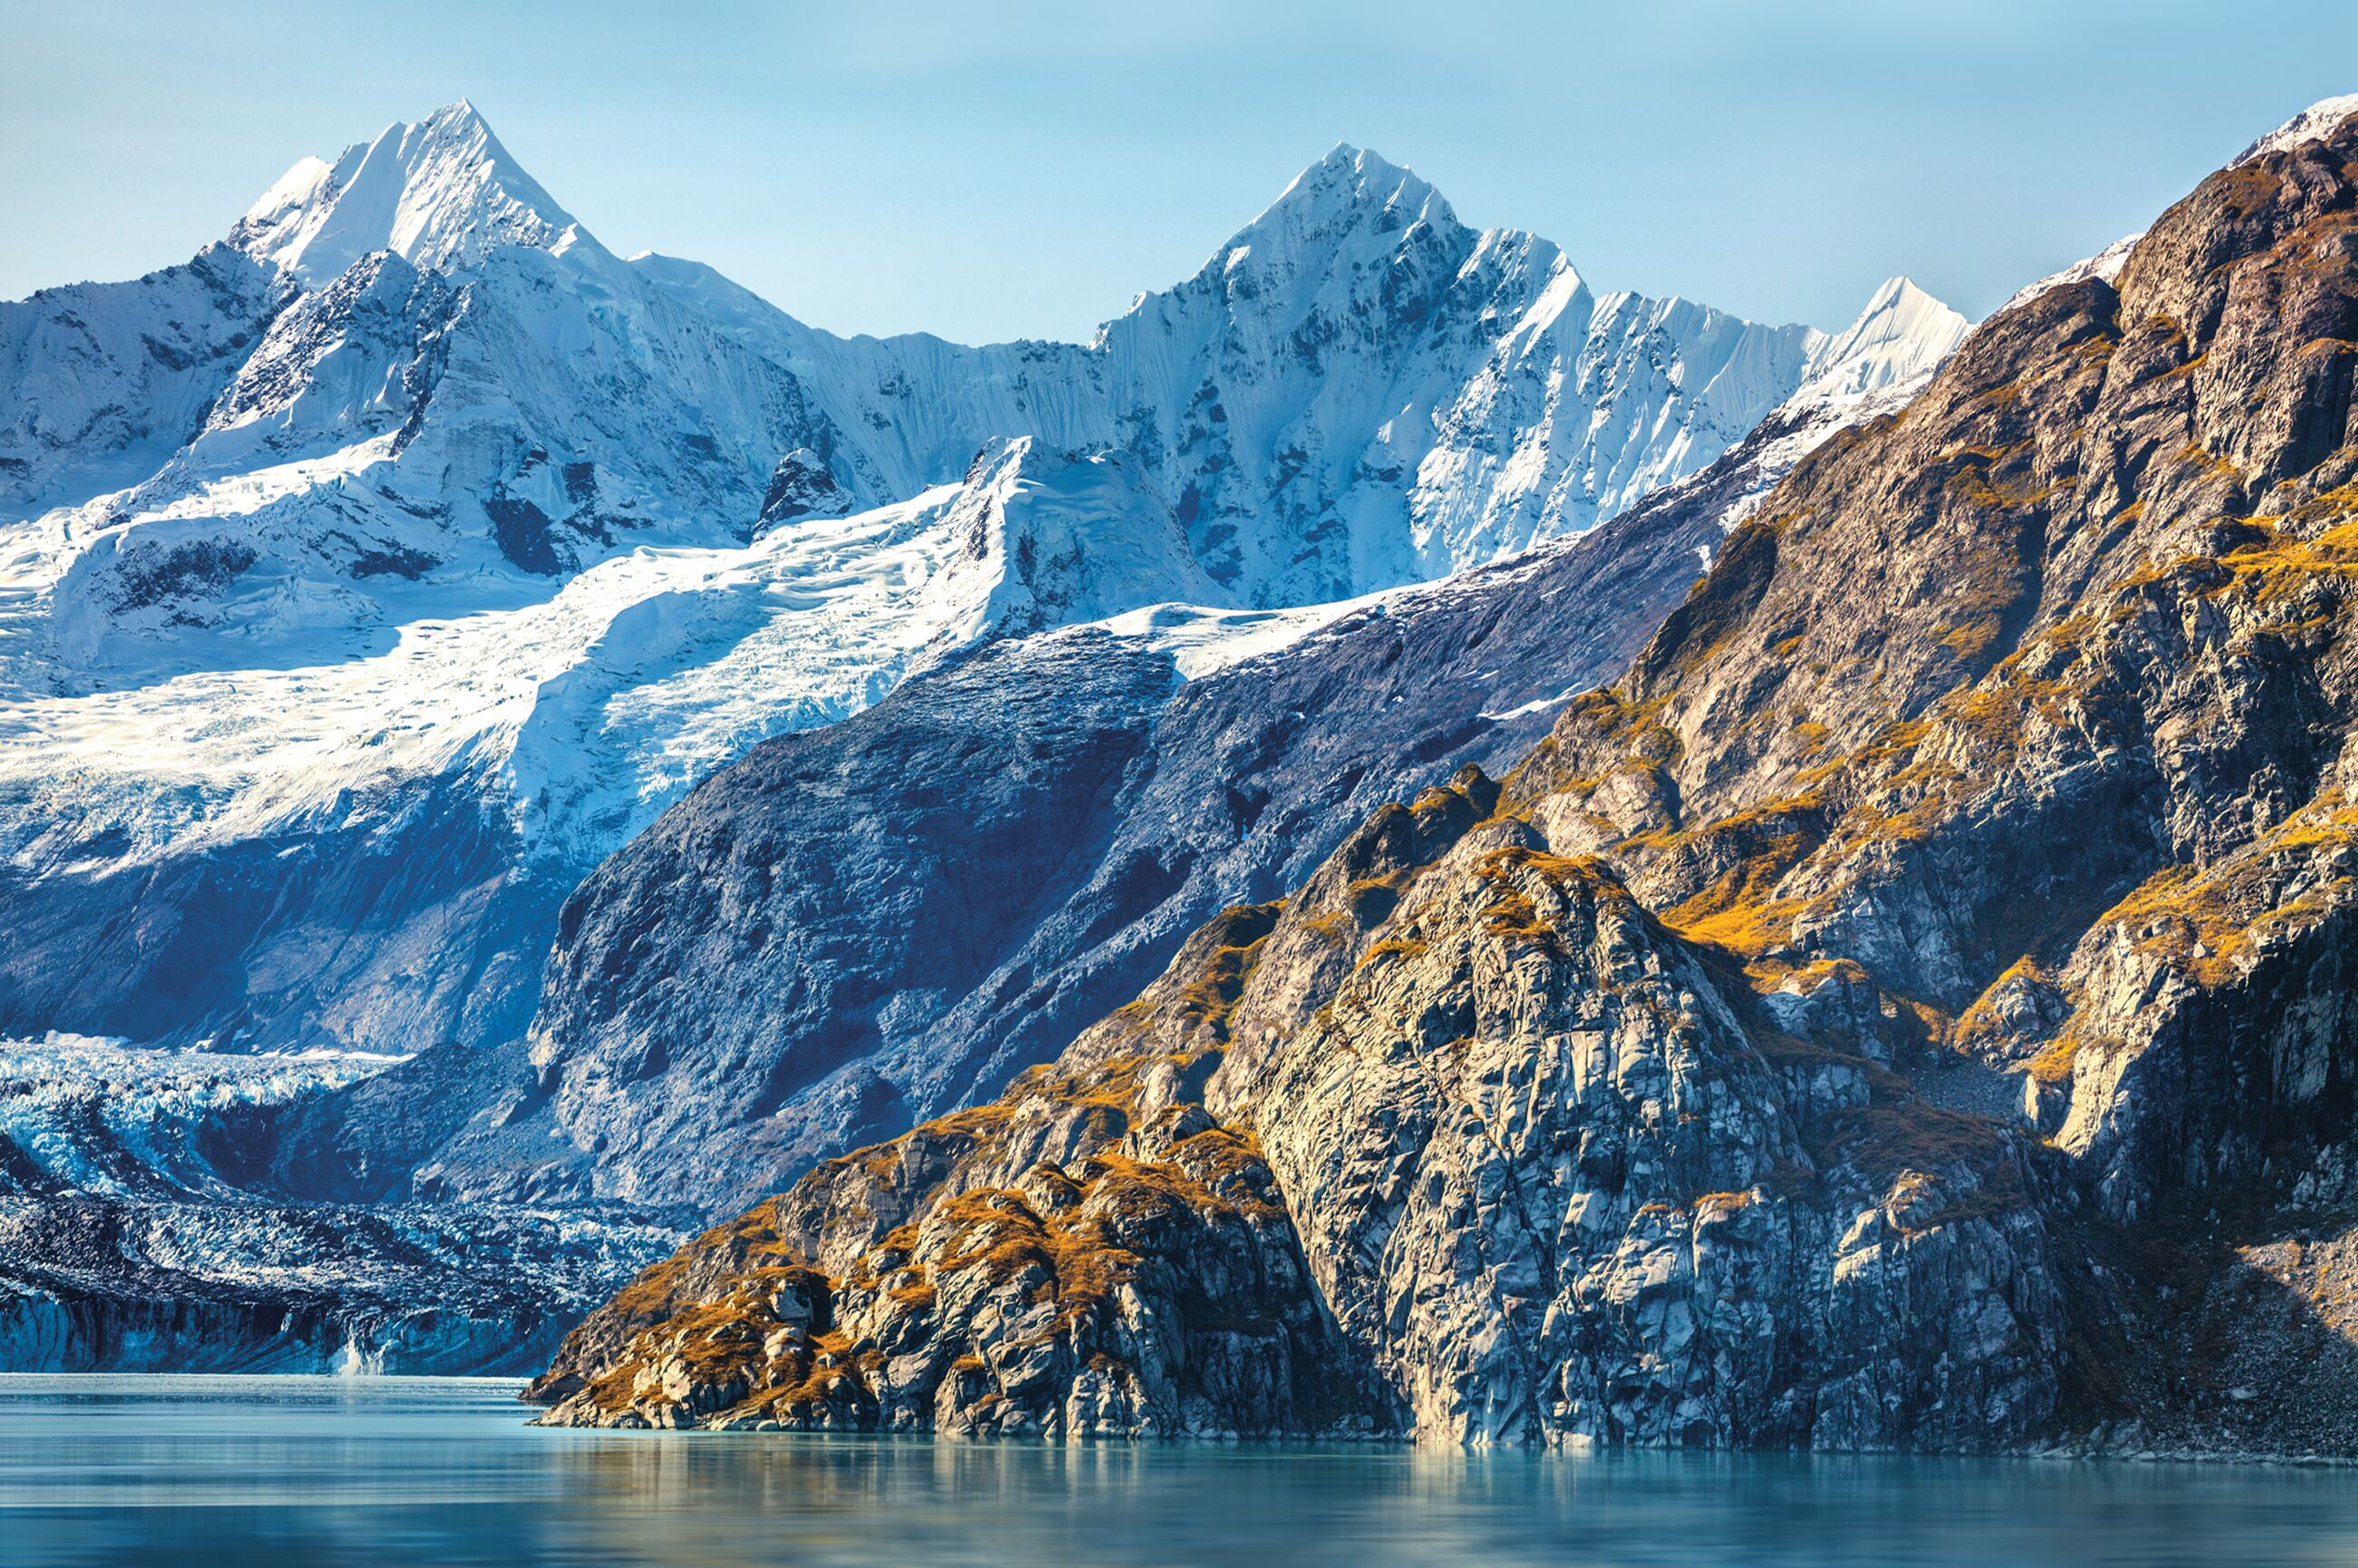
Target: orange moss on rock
x,y
1239,933
2207,923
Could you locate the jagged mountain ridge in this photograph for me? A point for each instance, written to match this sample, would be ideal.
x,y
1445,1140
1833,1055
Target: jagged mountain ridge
x,y
1353,333
1909,1008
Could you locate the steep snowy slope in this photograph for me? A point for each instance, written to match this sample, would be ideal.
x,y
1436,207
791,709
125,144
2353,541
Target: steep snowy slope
x,y
1884,350
1356,391
99,383
441,195
373,848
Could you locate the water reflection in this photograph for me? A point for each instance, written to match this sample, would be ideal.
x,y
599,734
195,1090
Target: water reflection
x,y
259,1472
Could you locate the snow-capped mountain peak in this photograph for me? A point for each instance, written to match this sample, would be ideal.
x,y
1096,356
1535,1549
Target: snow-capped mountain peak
x,y
1357,391
1349,206
440,193
1902,336
417,470
1874,366
1361,179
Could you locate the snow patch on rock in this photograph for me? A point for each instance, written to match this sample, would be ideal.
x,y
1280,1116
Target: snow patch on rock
x,y
2315,123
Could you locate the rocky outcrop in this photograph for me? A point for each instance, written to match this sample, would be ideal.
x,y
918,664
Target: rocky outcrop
x,y
1459,1137
1091,1256
1909,1008
802,485
1561,1190
852,879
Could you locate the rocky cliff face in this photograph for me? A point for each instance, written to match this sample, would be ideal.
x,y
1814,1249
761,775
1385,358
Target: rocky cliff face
x,y
1566,1190
1563,1191
1091,1256
850,882
1907,1009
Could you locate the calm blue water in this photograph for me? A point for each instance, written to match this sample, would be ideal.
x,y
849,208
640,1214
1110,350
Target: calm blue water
x,y
256,1472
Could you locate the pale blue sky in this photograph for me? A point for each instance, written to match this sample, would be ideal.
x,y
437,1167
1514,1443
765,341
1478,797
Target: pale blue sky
x,y
1022,170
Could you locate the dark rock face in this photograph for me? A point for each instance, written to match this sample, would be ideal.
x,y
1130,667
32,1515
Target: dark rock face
x,y
802,485
1068,1262
850,930
150,574
1911,1008
523,532
411,930
840,880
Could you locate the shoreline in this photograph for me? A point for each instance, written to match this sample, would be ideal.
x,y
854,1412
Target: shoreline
x,y
2124,1451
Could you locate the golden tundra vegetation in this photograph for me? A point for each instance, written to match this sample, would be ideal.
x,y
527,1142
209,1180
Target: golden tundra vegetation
x,y
2003,750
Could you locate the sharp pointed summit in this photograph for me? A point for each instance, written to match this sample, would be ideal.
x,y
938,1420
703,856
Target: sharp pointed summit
x,y
1357,174
1349,191
441,193
1902,336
